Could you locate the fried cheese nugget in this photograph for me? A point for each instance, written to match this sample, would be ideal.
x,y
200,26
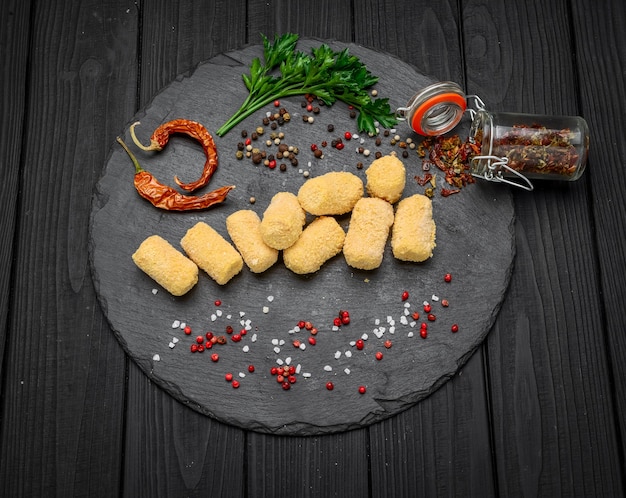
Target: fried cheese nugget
x,y
282,221
320,240
332,193
244,228
368,233
386,178
413,234
212,252
165,265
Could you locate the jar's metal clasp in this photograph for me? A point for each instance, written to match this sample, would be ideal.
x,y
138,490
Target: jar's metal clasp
x,y
493,172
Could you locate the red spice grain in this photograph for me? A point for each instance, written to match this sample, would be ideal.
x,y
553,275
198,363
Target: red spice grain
x,y
447,277
360,344
228,377
218,302
215,357
388,344
379,355
445,303
251,368
199,339
427,308
431,317
454,328
362,389
194,348
330,386
312,341
187,330
405,295
235,384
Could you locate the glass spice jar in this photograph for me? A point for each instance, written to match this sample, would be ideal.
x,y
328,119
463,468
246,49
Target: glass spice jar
x,y
514,147
529,146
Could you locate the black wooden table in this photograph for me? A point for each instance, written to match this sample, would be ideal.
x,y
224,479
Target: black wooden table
x,y
536,411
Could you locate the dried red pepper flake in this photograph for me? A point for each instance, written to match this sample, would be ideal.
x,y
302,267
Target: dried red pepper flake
x,y
360,344
454,328
251,368
187,330
447,277
388,344
362,389
405,295
312,341
445,192
217,302
330,386
431,317
379,355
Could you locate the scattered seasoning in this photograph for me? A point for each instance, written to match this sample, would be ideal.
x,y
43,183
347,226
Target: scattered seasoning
x,y
228,377
447,278
165,197
330,386
362,389
455,328
405,295
235,384
379,355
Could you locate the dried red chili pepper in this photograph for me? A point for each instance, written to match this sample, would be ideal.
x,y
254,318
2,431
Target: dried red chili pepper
x,y
162,134
165,197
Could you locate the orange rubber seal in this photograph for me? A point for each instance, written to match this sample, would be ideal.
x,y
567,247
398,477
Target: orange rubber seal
x,y
416,122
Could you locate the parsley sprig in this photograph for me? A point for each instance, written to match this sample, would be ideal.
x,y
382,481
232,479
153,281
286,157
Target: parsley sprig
x,y
327,74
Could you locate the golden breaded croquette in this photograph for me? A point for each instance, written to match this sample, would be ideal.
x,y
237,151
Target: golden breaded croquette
x,y
386,178
320,240
368,232
165,265
282,221
212,252
244,228
413,234
332,193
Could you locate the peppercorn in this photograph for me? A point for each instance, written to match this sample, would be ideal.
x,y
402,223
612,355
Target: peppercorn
x,y
330,128
239,154
244,133
254,135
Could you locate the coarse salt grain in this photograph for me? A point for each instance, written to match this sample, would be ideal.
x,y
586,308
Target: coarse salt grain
x,y
266,309
328,368
172,345
213,317
306,375
218,312
246,348
392,330
288,360
365,336
348,354
242,375
155,291
347,371
337,355
174,340
274,342
435,298
253,339
298,368
302,346
182,325
276,350
279,362
175,324
377,321
410,334
270,298
281,342
404,320
156,357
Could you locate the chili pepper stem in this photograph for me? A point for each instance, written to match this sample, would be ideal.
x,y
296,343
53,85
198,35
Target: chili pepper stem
x,y
152,146
138,168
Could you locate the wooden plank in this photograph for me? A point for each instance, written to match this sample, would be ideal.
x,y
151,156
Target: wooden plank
x,y
601,65
449,431
64,375
184,449
554,431
14,17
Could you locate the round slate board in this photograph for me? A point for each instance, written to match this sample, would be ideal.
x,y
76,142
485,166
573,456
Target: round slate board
x,y
474,243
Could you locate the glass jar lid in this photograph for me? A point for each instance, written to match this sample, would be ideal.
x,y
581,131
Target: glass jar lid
x,y
435,110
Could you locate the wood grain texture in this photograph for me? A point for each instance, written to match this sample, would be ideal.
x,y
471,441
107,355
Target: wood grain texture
x,y
600,61
547,386
14,18
64,373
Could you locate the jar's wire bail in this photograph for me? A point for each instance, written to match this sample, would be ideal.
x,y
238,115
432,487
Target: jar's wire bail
x,y
495,164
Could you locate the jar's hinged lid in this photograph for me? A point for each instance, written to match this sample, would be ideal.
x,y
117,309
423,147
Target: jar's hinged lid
x,y
437,109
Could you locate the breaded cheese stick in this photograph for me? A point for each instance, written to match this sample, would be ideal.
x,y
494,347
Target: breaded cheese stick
x,y
320,240
333,193
166,265
386,178
368,232
413,234
212,253
244,228
282,221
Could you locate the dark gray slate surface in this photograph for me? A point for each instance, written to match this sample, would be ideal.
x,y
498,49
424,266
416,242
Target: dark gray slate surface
x,y
474,243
